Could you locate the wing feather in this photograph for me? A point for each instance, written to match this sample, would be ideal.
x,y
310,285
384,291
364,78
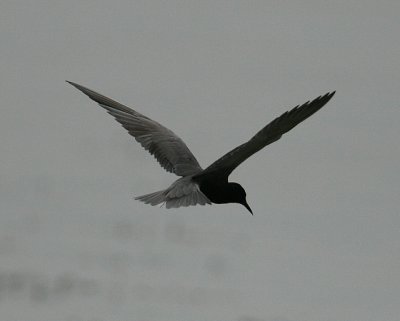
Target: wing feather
x,y
269,134
169,150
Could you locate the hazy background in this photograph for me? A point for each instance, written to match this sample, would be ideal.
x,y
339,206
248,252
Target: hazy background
x,y
324,244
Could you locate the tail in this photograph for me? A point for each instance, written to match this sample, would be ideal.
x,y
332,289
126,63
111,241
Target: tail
x,y
154,198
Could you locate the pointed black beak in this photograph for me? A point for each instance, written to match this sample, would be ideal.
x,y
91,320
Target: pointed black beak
x,y
248,207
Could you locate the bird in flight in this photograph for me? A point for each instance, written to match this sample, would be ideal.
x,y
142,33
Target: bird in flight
x,y
197,185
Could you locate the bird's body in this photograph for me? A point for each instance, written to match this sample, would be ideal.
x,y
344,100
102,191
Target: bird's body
x,y
221,192
198,186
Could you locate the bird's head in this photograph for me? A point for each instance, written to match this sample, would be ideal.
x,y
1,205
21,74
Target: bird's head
x,y
238,195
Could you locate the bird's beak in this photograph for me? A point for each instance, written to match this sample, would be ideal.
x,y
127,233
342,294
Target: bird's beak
x,y
248,207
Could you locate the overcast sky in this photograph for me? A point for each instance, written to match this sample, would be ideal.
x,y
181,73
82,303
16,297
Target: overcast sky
x,y
324,243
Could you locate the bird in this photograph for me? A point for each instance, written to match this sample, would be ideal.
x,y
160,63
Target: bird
x,y
198,186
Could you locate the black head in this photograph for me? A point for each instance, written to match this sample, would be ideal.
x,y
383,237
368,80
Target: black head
x,y
238,195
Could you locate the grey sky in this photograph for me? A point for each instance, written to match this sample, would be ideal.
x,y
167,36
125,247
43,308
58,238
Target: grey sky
x,y
324,242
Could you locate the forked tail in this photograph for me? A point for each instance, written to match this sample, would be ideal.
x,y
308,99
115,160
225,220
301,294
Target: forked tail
x,y
183,192
154,198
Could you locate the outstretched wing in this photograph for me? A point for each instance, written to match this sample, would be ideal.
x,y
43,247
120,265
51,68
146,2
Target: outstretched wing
x,y
269,134
169,150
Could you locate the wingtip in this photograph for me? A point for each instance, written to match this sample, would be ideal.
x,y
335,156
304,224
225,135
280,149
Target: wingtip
x,y
72,83
83,89
328,95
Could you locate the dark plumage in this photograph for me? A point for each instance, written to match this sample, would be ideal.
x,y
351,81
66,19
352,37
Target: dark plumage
x,y
198,186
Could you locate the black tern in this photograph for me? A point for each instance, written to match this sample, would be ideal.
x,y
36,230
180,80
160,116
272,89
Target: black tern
x,y
198,186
